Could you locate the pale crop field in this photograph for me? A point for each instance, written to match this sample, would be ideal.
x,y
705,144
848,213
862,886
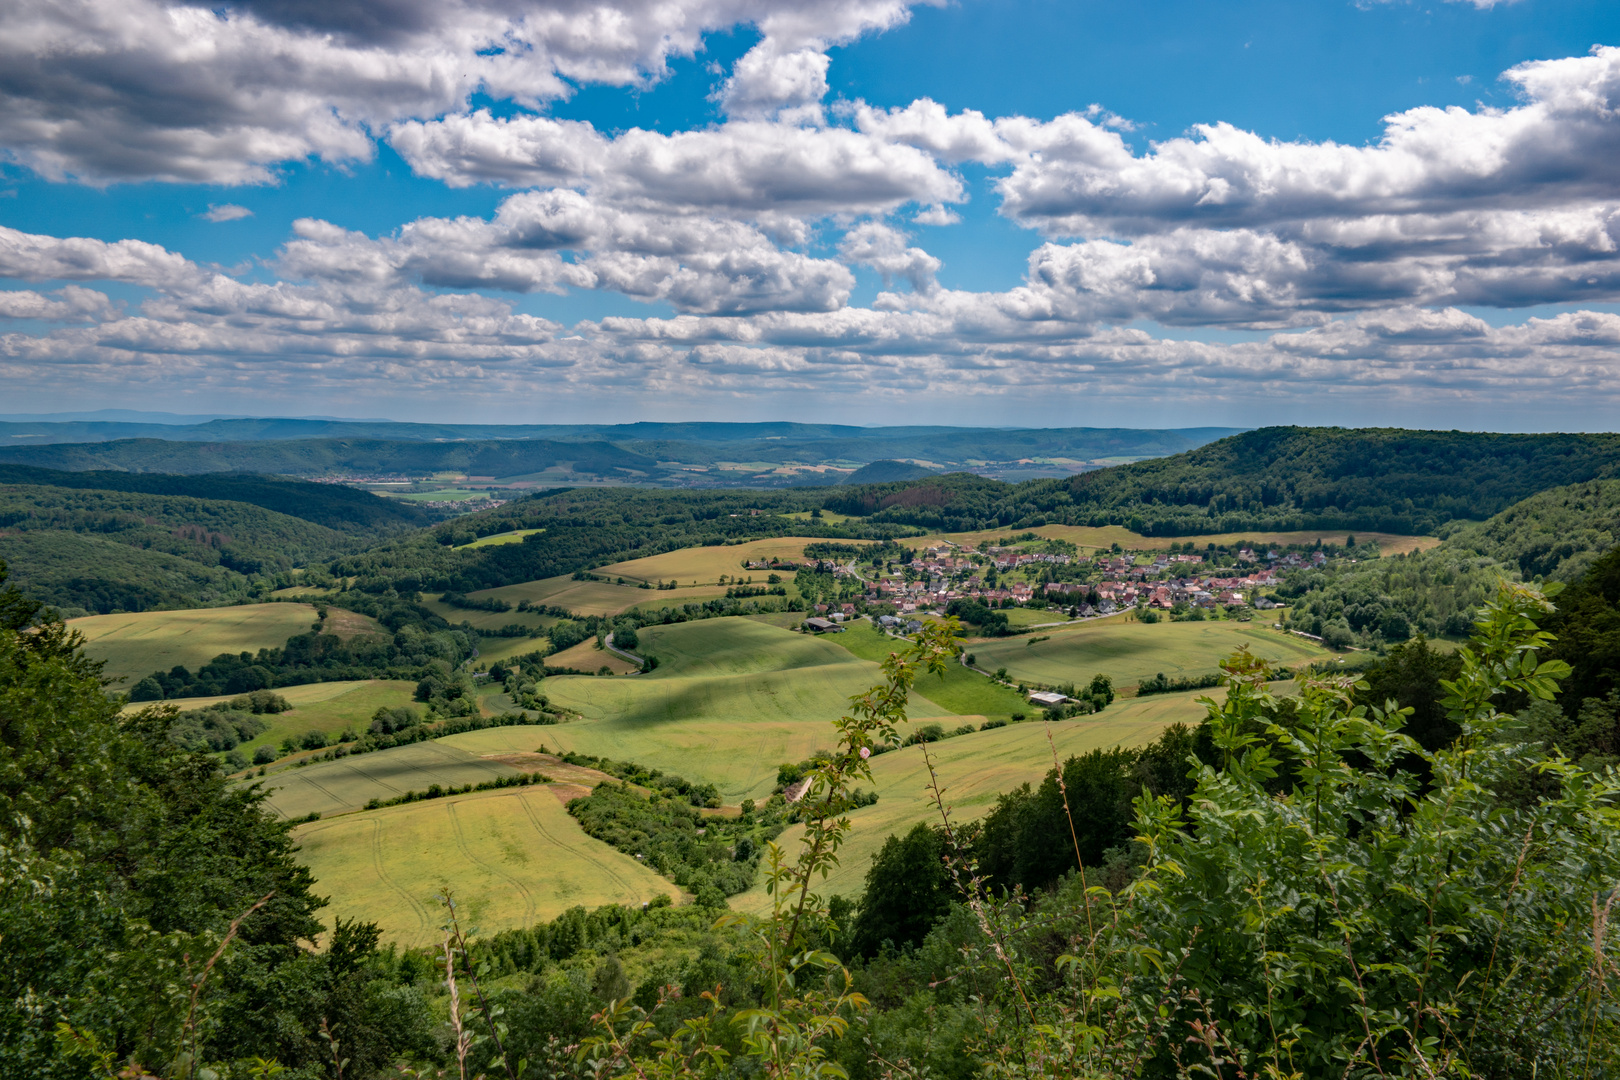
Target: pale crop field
x,y
347,784
974,770
730,701
704,565
513,858
1086,536
1128,651
587,657
138,644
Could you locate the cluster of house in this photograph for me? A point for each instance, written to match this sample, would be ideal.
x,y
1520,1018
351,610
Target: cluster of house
x,y
1206,592
947,573
937,592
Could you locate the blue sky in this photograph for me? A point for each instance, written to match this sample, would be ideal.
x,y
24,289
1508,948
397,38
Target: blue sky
x,y
982,213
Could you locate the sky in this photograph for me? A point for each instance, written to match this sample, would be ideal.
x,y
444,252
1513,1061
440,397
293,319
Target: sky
x,y
981,212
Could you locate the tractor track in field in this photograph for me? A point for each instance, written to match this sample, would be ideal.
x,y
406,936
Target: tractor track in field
x,y
627,889
377,862
317,786
529,909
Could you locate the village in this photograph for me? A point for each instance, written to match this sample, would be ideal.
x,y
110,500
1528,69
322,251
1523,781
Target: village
x,y
1082,586
1104,584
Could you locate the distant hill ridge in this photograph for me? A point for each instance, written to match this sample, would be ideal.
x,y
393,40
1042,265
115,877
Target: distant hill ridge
x,y
344,509
41,431
705,454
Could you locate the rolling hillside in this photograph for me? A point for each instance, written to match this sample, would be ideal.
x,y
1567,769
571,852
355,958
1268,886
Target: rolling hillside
x,y
731,699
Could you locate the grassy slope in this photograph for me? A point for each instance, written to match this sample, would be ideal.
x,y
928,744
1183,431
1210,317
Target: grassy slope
x,y
1129,651
960,690
974,770
513,857
326,707
336,787
731,700
136,645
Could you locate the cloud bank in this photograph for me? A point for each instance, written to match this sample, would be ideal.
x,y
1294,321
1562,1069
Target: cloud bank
x,y
1330,268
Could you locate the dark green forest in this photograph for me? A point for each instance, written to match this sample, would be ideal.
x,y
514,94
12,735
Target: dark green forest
x,y
99,550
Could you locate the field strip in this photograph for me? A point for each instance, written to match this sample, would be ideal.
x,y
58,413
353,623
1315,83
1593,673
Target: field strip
x,y
349,783
316,784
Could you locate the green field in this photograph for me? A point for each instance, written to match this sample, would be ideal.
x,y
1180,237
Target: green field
x,y
347,784
1022,617
974,770
960,690
1128,651
138,644
493,649
449,494
513,537
731,699
513,857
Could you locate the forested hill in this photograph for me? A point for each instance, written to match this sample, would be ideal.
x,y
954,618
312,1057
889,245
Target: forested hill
x,y
90,551
1368,478
583,528
345,509
1274,479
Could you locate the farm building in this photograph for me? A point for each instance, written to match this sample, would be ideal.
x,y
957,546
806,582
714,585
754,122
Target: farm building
x,y
822,626
1046,697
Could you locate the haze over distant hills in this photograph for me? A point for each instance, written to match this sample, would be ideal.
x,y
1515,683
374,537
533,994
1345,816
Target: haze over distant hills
x,y
683,454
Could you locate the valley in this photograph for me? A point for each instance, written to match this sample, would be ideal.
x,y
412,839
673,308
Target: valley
x,y
605,702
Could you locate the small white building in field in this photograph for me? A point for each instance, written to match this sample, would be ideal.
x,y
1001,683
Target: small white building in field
x,y
1046,697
